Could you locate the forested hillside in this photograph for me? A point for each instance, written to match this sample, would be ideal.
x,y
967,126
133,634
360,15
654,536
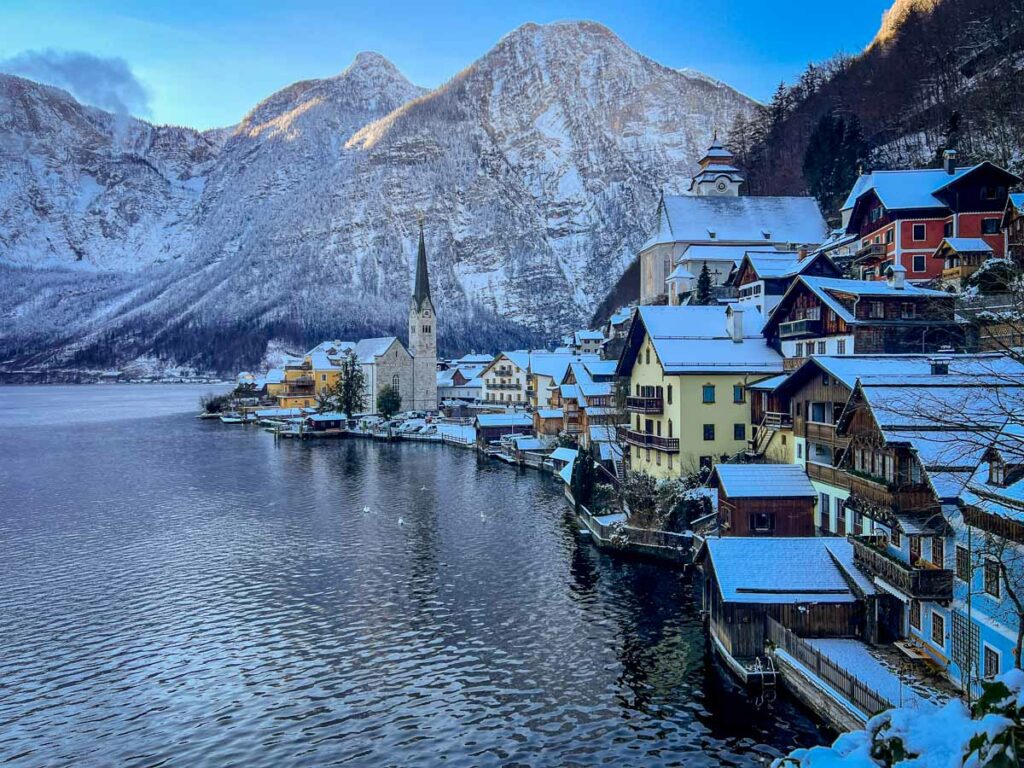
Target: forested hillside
x,y
939,73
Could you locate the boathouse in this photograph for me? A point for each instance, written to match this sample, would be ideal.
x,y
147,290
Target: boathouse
x,y
491,427
809,585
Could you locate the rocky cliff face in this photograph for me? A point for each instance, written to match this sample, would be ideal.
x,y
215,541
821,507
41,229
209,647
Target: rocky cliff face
x,y
536,170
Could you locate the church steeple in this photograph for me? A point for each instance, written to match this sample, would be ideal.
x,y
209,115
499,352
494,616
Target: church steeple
x,y
717,174
422,289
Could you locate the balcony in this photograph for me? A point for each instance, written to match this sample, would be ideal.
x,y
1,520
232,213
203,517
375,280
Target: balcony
x,y
825,433
871,252
927,583
301,381
908,497
502,385
644,440
825,474
778,420
959,272
795,328
645,404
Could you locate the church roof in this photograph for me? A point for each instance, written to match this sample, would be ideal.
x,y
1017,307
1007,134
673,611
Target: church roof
x,y
422,290
710,219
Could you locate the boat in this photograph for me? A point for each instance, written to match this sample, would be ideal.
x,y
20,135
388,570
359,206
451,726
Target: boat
x,y
232,418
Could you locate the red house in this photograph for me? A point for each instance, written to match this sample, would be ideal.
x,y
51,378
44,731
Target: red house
x,y
902,217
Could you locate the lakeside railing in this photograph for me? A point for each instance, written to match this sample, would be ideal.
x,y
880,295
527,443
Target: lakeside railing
x,y
867,700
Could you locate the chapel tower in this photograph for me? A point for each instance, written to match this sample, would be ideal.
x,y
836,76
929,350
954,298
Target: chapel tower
x,y
423,336
717,174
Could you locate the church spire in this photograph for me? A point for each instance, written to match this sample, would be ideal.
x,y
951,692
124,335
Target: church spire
x,y
422,290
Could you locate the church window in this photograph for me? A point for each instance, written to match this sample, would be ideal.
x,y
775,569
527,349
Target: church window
x,y
426,313
395,381
647,356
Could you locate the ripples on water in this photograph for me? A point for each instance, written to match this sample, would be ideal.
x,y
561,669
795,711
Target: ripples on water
x,y
178,592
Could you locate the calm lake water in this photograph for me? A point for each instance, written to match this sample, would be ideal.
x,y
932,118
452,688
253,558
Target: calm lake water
x,y
180,592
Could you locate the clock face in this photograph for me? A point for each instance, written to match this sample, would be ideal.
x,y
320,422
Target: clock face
x,y
721,186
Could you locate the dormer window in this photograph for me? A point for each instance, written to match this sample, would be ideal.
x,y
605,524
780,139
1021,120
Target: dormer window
x,y
711,234
996,472
766,234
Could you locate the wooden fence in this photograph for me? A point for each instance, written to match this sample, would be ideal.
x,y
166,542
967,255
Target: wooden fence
x,y
457,440
867,700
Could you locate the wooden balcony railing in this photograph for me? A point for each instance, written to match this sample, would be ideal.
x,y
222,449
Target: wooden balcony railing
x,y
777,420
959,272
794,328
913,581
870,252
903,496
644,440
825,474
645,404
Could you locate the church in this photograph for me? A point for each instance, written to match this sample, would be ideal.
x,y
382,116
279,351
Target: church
x,y
715,224
385,361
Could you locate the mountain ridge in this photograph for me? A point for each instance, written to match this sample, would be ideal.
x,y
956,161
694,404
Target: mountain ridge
x,y
536,167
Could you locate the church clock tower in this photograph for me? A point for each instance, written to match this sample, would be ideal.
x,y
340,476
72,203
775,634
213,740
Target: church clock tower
x,y
423,336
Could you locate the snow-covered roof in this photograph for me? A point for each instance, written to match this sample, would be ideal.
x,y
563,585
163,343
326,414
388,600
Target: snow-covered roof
x,y
701,253
609,451
825,288
769,384
692,339
564,454
600,367
550,413
579,336
1016,199
474,358
908,369
905,188
368,349
621,315
747,481
527,443
275,376
967,245
555,365
568,390
692,218
565,473
679,273
768,265
504,420
327,416
602,433
766,569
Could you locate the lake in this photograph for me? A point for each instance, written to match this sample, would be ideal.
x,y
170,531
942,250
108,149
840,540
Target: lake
x,y
181,592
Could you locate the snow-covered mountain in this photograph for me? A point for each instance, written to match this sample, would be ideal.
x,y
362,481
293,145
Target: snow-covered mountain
x,y
536,171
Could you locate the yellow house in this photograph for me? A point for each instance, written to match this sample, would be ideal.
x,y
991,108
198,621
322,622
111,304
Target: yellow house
x,y
688,369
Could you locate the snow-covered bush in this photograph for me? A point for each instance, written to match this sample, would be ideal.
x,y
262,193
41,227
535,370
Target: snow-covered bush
x,y
949,736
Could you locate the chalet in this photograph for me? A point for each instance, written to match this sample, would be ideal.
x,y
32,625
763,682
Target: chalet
x,y
1013,226
810,585
491,427
763,277
764,499
587,342
688,368
714,225
461,381
505,378
901,217
547,421
826,316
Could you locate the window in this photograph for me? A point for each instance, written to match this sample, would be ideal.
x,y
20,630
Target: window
x,y
709,431
841,347
705,462
762,521
323,377
708,393
990,226
920,262
938,551
894,537
915,614
824,503
996,472
799,349
670,461
919,232
739,431
990,664
657,458
825,380
395,381
647,356
818,411
963,564
947,229
876,309
908,310
821,347
670,427
888,236
938,629
737,393
799,450
992,577
668,393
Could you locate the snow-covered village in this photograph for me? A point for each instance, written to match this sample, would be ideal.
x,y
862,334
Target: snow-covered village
x,y
577,409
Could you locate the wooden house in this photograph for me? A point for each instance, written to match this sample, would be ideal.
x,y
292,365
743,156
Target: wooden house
x,y
764,276
826,316
491,427
1013,226
809,585
764,499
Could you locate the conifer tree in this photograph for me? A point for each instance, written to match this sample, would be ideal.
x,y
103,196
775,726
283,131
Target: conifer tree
x,y
704,296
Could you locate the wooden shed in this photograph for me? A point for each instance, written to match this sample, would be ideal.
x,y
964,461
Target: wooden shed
x,y
764,499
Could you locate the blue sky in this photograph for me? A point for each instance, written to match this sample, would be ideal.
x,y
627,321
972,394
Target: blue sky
x,y
206,63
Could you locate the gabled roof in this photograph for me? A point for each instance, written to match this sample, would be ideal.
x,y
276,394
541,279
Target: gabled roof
x,y
965,245
504,420
369,349
770,570
693,339
750,481
692,218
579,336
702,253
776,265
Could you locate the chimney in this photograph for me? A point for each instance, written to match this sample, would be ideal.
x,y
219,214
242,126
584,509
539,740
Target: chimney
x,y
801,253
949,161
734,322
939,366
897,275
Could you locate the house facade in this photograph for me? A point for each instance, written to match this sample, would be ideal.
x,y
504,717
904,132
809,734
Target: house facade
x,y
688,369
763,277
901,217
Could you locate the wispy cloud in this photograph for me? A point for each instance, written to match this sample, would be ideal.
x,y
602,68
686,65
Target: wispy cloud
x,y
107,83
